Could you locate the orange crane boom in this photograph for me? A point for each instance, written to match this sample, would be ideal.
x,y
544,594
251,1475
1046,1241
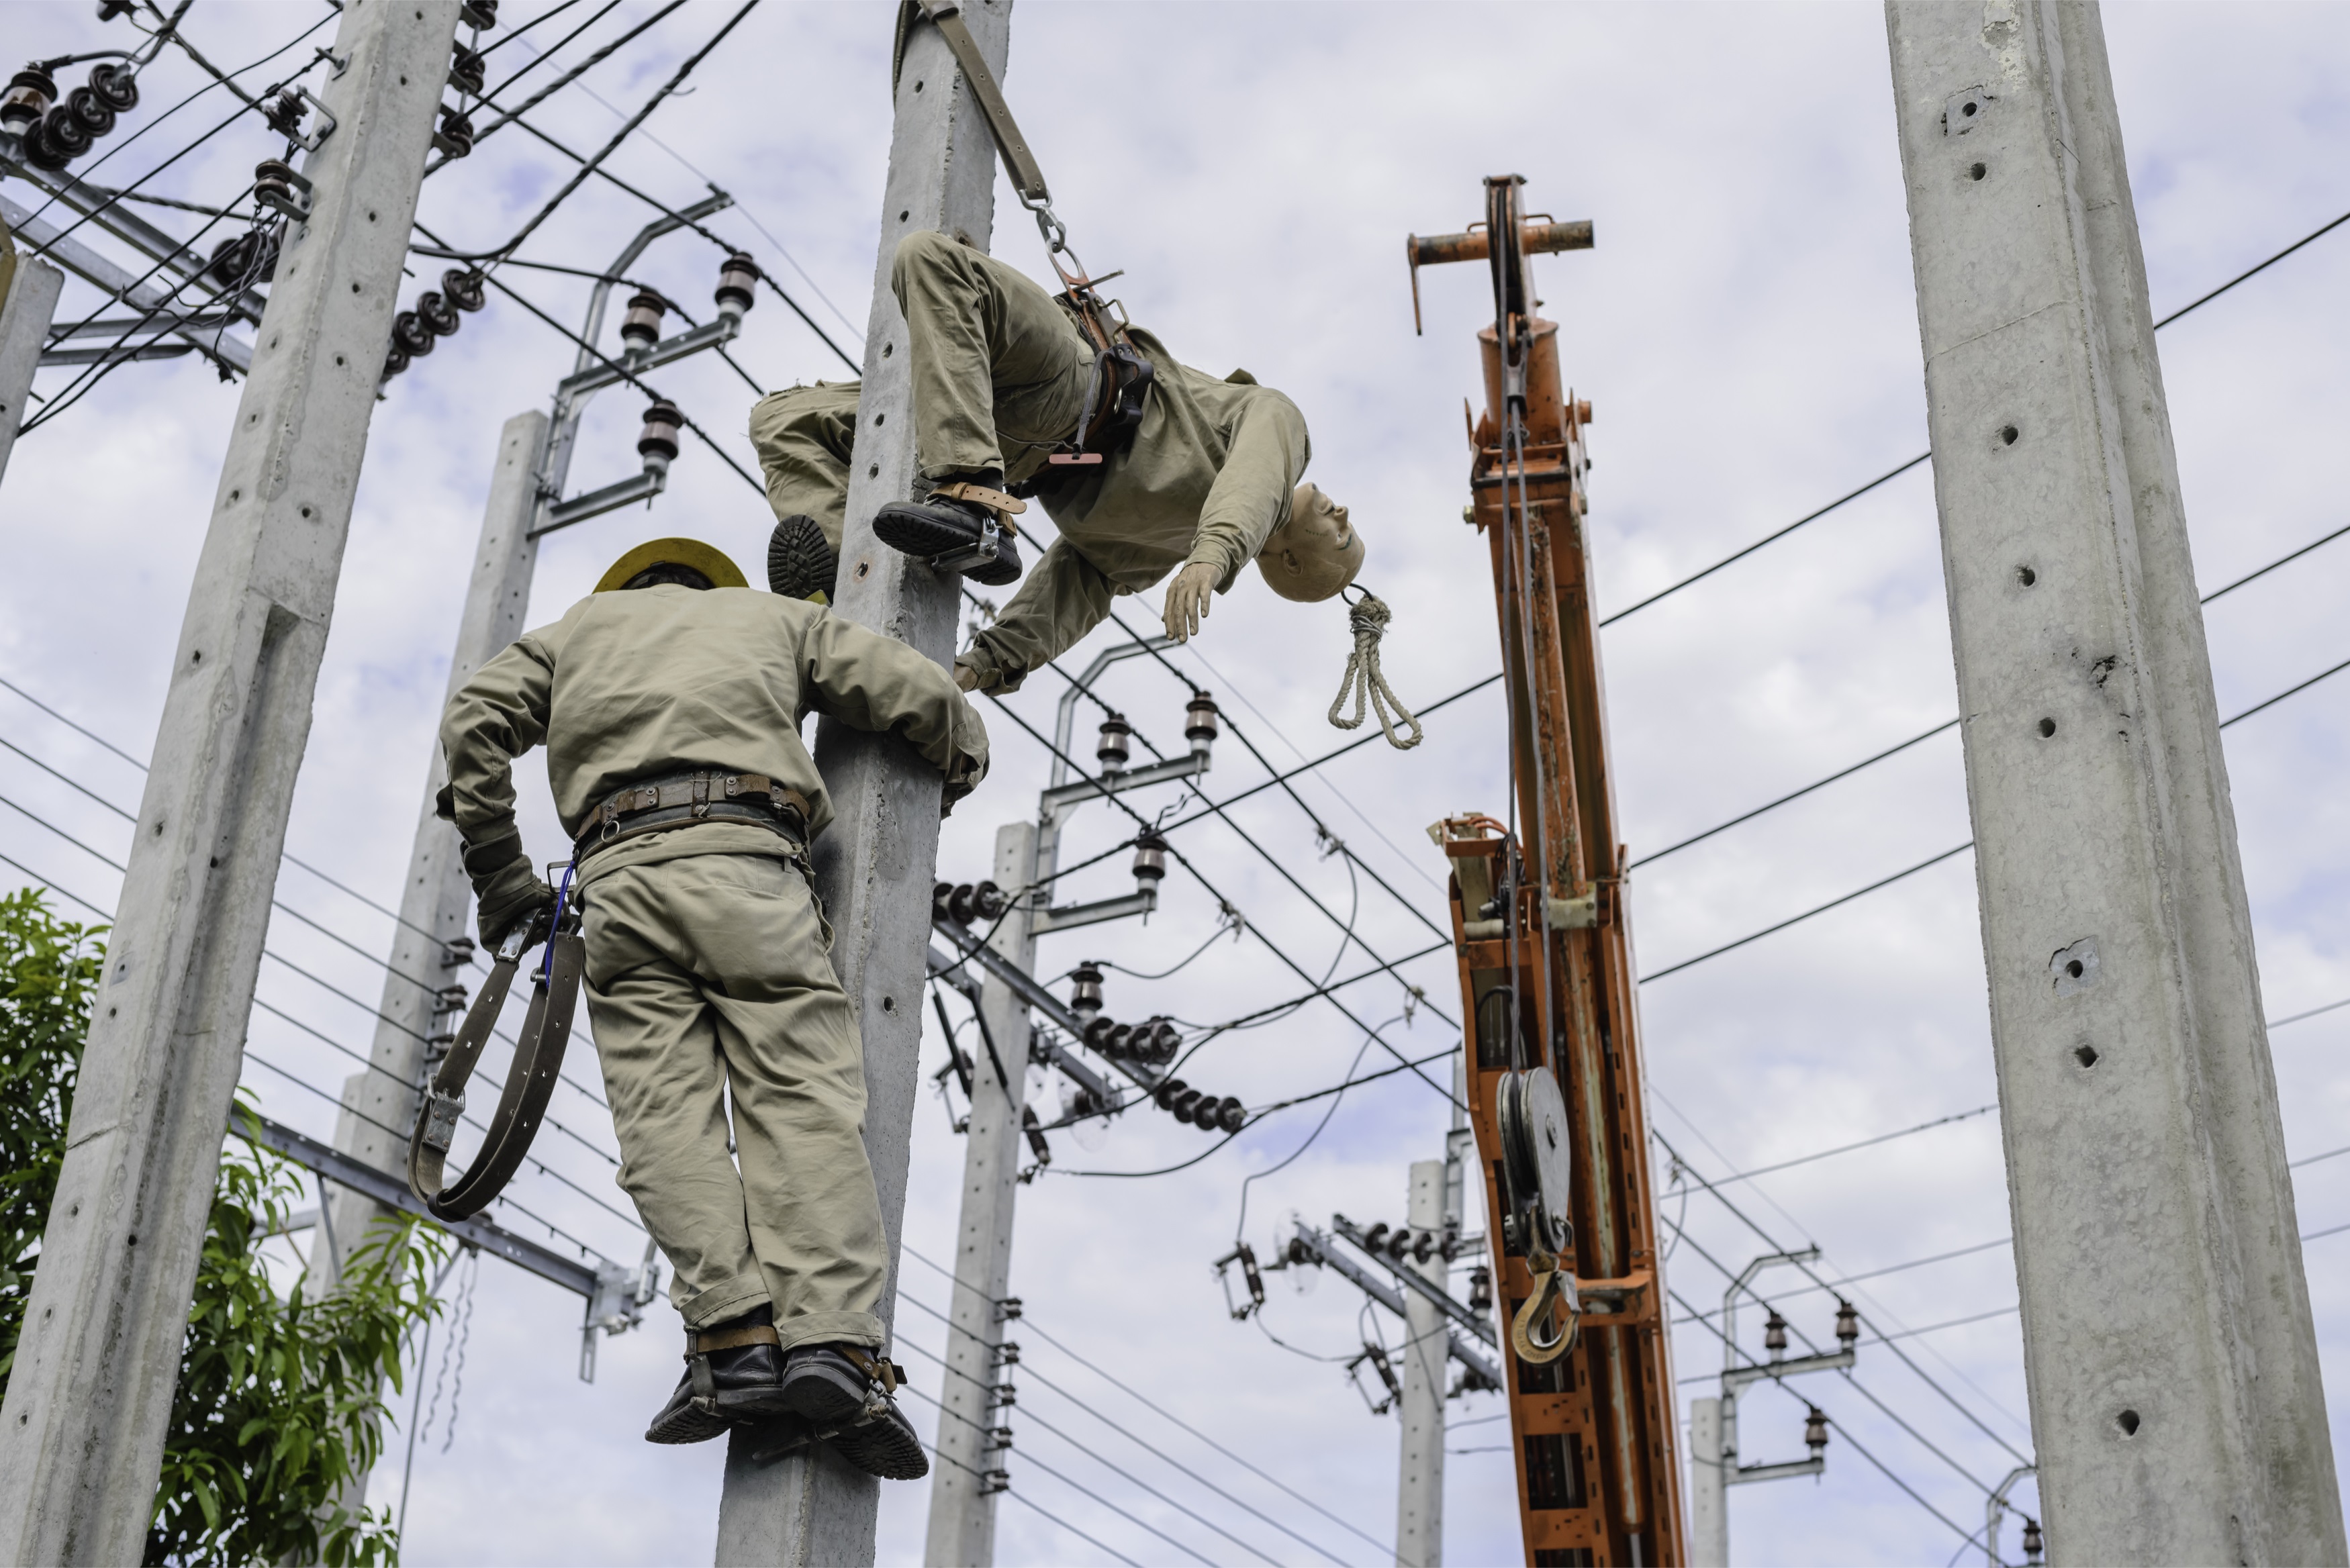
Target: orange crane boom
x,y
1542,935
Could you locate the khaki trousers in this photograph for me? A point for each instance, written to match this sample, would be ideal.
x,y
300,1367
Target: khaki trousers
x,y
995,361
707,980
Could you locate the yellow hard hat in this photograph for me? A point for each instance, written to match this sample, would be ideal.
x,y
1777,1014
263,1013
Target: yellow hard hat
x,y
708,559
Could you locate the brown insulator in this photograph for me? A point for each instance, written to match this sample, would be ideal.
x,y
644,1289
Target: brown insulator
x,y
465,289
640,328
437,312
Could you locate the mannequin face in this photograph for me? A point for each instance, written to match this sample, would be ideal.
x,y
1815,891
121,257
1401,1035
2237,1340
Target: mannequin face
x,y
1316,553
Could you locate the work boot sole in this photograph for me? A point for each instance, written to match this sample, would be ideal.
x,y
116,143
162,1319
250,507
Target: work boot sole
x,y
800,565
685,1424
821,1393
885,1446
925,531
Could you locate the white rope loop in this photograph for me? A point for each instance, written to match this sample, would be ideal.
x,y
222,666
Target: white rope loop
x,y
1363,681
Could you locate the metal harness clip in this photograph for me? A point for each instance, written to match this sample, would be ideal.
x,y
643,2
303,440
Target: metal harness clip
x,y
440,1114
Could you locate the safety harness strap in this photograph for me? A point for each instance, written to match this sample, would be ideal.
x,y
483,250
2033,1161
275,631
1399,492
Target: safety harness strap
x,y
1019,162
701,1343
538,1058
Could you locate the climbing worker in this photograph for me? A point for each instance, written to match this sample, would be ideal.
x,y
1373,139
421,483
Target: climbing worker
x,y
670,703
1206,478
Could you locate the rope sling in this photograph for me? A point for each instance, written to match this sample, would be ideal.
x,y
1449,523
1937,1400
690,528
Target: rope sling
x,y
1364,680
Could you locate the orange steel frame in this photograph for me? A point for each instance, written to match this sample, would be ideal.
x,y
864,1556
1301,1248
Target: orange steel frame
x,y
1595,1431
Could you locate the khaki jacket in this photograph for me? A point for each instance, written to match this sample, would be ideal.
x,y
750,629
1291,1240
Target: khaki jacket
x,y
647,681
1207,477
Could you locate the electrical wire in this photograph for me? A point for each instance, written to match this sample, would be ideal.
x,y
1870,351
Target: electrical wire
x,y
1954,1116
1895,472
1197,875
1029,1373
2293,691
1030,1326
773,287
126,141
1241,1223
1064,1480
1952,723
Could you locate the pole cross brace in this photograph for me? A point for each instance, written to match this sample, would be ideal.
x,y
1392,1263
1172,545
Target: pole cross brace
x,y
1816,1465
1063,795
1772,1371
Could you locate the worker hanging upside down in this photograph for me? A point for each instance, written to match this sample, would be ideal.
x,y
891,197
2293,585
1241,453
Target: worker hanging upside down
x,y
1207,479
670,703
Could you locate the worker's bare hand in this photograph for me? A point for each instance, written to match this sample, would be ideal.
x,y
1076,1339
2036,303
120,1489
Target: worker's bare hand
x,y
1187,600
966,678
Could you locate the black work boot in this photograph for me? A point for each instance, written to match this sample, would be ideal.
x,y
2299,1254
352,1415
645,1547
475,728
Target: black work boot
x,y
946,530
842,1391
734,1374
800,565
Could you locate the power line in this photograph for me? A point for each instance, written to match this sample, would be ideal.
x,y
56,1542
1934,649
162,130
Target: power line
x,y
1183,860
1915,1496
1952,723
1132,1479
1807,1271
1903,468
1865,1143
1937,859
1064,1480
1031,1326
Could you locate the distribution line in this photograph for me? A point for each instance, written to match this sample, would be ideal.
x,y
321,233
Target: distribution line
x,y
1974,1537
1882,1311
1410,907
1030,1415
1895,472
1952,723
275,903
108,916
1183,860
1855,1383
579,177
1832,1286
1064,1480
1812,1275
749,217
1029,1325
599,56
1864,1143
1937,859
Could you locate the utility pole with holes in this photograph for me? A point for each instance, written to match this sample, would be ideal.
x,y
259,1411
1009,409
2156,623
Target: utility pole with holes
x,y
964,1487
874,866
28,302
2176,1401
1419,1497
82,1433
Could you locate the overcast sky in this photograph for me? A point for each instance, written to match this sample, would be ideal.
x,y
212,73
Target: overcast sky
x,y
1746,331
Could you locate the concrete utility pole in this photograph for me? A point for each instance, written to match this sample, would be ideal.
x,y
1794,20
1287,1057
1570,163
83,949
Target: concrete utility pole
x,y
81,1438
2176,1397
962,1490
28,302
1419,1497
874,866
436,904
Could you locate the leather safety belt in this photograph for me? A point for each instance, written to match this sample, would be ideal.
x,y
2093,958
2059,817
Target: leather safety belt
x,y
538,1058
1122,377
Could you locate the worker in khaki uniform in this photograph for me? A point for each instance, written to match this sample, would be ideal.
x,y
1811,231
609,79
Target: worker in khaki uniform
x,y
1208,480
669,701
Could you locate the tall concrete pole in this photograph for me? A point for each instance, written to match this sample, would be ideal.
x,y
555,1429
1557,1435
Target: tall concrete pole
x,y
2176,1397
874,865
1709,1462
82,1433
1419,1494
436,904
963,1511
29,304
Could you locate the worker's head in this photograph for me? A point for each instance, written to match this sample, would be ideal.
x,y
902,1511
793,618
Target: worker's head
x,y
1314,554
688,563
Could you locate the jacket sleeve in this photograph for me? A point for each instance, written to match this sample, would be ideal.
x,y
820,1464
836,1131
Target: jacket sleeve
x,y
493,718
1250,498
1064,598
875,683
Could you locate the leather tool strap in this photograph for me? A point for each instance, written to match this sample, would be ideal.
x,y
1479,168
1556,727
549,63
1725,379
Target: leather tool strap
x,y
538,1058
1004,506
701,1344
1019,162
